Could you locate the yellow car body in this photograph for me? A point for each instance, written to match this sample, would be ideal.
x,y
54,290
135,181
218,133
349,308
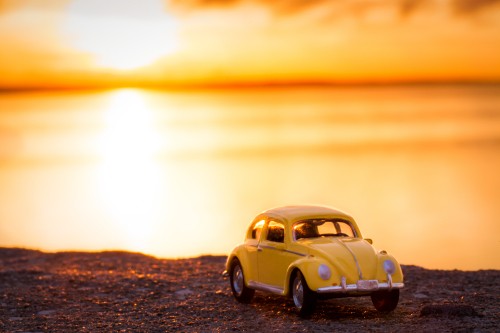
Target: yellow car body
x,y
318,246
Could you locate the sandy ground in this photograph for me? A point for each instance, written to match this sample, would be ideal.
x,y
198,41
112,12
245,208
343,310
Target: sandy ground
x,y
128,292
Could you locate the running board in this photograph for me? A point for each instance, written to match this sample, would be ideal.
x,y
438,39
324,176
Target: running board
x,y
266,287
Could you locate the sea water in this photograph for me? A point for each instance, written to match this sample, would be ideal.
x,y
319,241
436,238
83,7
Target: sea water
x,y
182,173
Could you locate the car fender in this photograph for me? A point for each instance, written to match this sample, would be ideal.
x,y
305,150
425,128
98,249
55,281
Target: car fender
x,y
241,254
308,266
397,276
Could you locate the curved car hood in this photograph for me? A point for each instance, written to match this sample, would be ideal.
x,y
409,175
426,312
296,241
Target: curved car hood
x,y
348,255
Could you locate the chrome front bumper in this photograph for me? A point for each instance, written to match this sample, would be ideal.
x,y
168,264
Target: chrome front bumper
x,y
361,286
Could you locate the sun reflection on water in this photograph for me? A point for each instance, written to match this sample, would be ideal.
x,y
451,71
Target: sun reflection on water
x,y
129,176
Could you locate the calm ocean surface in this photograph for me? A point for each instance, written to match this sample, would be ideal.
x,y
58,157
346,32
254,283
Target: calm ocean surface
x,y
178,174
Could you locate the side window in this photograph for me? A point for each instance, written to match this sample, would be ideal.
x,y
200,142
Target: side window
x,y
276,232
257,229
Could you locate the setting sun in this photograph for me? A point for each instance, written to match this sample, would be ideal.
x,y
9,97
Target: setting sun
x,y
136,35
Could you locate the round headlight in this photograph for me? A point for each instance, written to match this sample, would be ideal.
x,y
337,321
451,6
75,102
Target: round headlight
x,y
324,272
389,267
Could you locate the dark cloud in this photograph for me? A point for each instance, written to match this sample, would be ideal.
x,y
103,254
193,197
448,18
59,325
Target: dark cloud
x,y
190,5
407,7
336,8
466,7
294,7
281,7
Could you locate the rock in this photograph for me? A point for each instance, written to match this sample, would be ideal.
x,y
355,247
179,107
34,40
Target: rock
x,y
420,296
448,310
46,312
182,294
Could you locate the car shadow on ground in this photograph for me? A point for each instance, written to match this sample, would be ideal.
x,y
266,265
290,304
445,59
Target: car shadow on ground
x,y
330,309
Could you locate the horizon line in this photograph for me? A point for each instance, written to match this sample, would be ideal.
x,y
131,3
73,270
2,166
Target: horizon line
x,y
123,251
244,85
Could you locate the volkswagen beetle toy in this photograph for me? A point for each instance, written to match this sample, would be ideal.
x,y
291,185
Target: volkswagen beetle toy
x,y
310,253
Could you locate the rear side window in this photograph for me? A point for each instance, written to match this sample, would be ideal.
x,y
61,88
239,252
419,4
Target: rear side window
x,y
257,229
276,232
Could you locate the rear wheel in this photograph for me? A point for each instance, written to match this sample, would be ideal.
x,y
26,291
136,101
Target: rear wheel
x,y
241,292
385,300
304,298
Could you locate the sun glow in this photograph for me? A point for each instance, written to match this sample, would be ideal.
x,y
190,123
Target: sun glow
x,y
129,174
122,35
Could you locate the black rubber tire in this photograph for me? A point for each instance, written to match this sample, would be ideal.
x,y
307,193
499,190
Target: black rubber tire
x,y
303,298
385,300
237,280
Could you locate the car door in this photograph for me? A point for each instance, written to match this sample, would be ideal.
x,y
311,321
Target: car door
x,y
251,247
273,259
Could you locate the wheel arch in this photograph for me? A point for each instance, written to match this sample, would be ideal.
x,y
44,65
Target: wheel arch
x,y
305,266
308,266
240,255
290,276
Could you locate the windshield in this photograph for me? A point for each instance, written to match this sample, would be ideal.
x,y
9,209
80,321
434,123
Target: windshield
x,y
323,228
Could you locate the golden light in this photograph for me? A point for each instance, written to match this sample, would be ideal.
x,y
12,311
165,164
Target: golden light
x,y
122,35
129,176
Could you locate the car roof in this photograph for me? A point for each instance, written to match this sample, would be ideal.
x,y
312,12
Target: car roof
x,y
300,212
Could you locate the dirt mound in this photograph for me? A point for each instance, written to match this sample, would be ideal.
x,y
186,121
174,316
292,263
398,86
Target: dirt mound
x,y
131,292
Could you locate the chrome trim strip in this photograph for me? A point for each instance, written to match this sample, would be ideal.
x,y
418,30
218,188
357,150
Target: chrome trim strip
x,y
265,287
354,288
284,250
360,274
297,253
267,247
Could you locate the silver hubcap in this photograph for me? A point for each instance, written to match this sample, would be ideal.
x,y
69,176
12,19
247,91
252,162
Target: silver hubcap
x,y
298,292
238,279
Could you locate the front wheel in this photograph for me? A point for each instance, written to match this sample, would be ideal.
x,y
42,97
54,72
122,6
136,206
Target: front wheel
x,y
241,292
304,298
385,300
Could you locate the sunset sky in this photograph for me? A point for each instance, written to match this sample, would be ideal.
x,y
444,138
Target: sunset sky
x,y
75,43
92,159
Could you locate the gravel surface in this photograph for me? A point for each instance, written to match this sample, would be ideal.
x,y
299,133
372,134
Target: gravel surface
x,y
130,292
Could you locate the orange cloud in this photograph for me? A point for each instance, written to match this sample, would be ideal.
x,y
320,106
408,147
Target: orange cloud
x,y
93,42
337,8
47,5
467,7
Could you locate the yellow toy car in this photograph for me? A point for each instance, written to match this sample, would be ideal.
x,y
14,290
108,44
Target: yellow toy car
x,y
311,252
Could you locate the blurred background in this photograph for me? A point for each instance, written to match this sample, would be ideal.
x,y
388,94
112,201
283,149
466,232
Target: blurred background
x,y
165,126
